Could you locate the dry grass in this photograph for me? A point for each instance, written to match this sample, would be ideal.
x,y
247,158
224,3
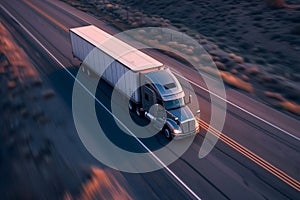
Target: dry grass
x,y
291,107
253,71
11,84
209,70
16,55
48,93
220,65
237,58
236,82
281,102
102,183
274,95
280,4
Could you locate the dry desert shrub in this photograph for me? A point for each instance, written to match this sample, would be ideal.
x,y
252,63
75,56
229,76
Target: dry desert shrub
x,y
291,107
236,82
276,3
287,105
280,4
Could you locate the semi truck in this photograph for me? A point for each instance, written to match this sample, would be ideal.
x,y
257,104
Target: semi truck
x,y
146,82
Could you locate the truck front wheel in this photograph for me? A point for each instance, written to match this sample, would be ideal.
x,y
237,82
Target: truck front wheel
x,y
167,133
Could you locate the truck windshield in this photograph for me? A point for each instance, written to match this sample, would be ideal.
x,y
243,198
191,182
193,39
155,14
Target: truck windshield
x,y
173,104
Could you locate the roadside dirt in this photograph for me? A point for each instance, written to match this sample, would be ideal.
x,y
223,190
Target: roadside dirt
x,y
41,156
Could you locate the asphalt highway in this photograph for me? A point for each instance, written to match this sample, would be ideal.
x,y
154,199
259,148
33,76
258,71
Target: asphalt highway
x,y
226,172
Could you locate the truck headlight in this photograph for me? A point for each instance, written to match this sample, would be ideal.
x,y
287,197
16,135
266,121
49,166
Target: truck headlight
x,y
176,131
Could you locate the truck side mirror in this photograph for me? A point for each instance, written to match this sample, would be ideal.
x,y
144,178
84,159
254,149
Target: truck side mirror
x,y
190,98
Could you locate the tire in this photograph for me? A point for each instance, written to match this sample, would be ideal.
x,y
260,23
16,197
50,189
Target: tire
x,y
131,106
139,113
167,133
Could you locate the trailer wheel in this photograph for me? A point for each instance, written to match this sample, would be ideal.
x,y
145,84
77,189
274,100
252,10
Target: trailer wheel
x,y
167,133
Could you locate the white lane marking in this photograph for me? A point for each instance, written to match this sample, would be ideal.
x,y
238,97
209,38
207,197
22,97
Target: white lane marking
x,y
242,109
58,62
227,101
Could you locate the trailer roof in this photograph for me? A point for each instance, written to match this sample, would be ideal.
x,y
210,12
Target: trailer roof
x,y
119,50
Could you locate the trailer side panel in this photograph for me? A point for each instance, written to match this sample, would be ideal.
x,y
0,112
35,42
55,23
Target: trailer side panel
x,y
112,71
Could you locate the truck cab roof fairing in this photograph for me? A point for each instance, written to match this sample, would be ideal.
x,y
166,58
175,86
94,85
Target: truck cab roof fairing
x,y
119,50
166,83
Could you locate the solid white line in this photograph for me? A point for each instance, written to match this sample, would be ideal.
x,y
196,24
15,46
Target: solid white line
x,y
237,106
227,101
154,156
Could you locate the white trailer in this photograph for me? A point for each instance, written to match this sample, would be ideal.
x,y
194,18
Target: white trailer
x,y
111,58
145,81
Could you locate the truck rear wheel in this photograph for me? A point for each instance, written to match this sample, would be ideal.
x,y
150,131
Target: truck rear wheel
x,y
131,106
138,112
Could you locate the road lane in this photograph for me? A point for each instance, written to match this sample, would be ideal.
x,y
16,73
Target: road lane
x,y
195,150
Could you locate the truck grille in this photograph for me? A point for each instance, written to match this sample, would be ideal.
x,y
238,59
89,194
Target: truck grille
x,y
188,126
